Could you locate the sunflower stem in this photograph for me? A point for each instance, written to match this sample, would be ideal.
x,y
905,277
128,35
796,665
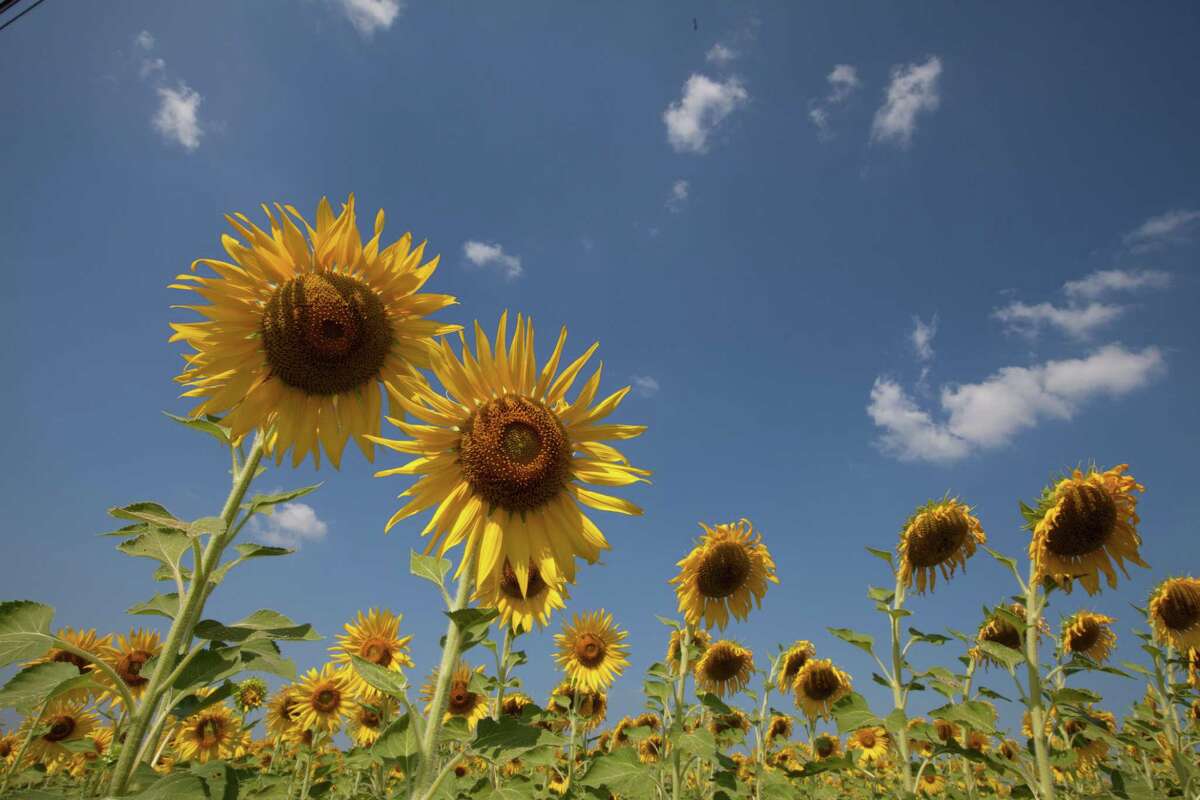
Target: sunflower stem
x,y
1034,600
502,671
899,696
685,646
1163,688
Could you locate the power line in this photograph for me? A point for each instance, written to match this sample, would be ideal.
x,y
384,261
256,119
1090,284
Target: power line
x,y
18,16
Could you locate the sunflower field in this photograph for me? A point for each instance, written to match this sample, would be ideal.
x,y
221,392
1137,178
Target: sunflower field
x,y
301,336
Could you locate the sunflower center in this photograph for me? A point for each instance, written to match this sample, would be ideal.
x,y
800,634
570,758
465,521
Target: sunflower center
x,y
534,585
1084,636
515,454
944,730
824,747
724,570
64,657
327,700
935,538
368,718
1180,607
61,727
589,650
866,738
930,777
377,652
325,333
462,699
6,748
1004,634
1086,518
208,732
722,664
129,667
820,684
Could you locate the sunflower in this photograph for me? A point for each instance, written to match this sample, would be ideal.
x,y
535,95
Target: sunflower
x,y
1000,630
300,334
871,742
282,711
1009,750
1082,524
650,749
940,535
780,727
368,719
793,659
725,668
727,571
977,741
1089,634
590,650
64,720
10,743
373,637
699,640
505,455
733,720
100,647
209,734
919,732
1049,720
127,658
826,745
947,732
590,707
788,757
1089,748
251,693
514,704
1175,612
461,701
1193,664
819,685
521,608
324,698
931,782
101,739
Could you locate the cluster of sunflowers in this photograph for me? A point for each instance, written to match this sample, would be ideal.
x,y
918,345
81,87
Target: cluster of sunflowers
x,y
305,333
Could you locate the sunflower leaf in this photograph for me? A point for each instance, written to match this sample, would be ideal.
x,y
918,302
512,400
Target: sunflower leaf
x,y
975,714
886,555
214,526
509,738
620,772
1005,655
161,544
862,641
163,605
377,677
265,503
35,685
431,568
24,630
262,624
193,704
715,704
398,740
852,712
177,786
472,624
207,666
206,424
149,512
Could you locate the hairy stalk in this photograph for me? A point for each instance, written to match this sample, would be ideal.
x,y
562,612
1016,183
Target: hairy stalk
x,y
685,646
1034,600
502,671
899,694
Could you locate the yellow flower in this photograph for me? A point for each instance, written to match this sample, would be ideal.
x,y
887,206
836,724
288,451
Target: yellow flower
x,y
791,662
504,456
1193,661
461,700
650,749
368,719
946,731
65,720
1090,749
373,637
780,727
521,608
514,704
977,741
127,658
1089,634
931,782
940,535
590,650
323,699
727,571
300,333
1083,524
282,711
871,742
825,746
10,743
1000,630
724,669
251,693
100,647
699,639
1175,612
819,685
590,707
209,734
733,720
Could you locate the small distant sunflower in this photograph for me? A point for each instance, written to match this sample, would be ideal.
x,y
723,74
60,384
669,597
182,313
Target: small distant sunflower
x,y
208,735
788,757
324,698
727,571
301,333
460,700
100,647
918,735
373,637
650,749
699,639
825,746
947,732
648,720
1089,747
101,739
590,650
1083,523
871,742
10,743
127,657
1194,713
931,782
724,669
977,741
1175,612
1049,720
514,704
366,721
1009,750
282,711
521,608
819,685
1090,635
65,720
1000,630
791,662
591,707
731,721
251,693
940,535
780,728
503,456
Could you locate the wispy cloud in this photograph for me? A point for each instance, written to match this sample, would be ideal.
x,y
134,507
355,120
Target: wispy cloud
x,y
989,414
1078,321
291,525
843,81
370,16
1106,281
484,254
177,118
912,92
678,196
1173,227
720,54
922,337
144,40
704,105
645,385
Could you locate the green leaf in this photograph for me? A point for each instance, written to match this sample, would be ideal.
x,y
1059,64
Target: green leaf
x,y
177,786
881,595
886,555
516,788
205,424
656,688
206,667
163,605
472,624
431,568
262,655
162,545
220,778
398,740
213,526
1074,696
265,503
194,704
127,531
1005,655
1011,563
381,678
620,772
670,623
24,630
852,713
930,638
714,703
150,512
974,714
262,624
35,685
248,550
509,738
862,641
699,743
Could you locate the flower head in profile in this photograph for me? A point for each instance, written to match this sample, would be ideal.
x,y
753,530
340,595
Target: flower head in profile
x,y
1175,612
1088,634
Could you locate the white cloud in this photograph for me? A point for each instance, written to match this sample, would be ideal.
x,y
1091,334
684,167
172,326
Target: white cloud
x,y
482,254
1173,227
991,413
645,385
151,66
370,16
913,90
1077,321
704,105
176,118
145,40
1117,280
720,54
843,81
678,196
922,337
291,525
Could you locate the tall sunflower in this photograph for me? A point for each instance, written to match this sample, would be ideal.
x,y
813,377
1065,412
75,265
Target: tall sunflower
x,y
1175,612
1082,524
64,721
324,698
726,572
1089,747
792,661
208,735
301,332
251,693
725,668
461,699
373,637
931,783
940,535
521,608
504,456
127,657
780,728
590,650
733,721
1089,634
819,685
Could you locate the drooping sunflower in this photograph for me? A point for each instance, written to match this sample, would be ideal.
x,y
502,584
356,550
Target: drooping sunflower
x,y
724,669
780,728
826,745
732,721
127,657
1089,747
514,704
324,699
871,743
1009,750
1000,630
978,741
590,707
521,608
940,535
699,639
590,650
208,735
373,637
366,721
920,735
725,573
251,693
99,647
504,456
64,720
10,743
931,783
947,732
101,739
650,749
792,661
1175,612
819,685
300,333
1082,524
282,710
461,701
1089,634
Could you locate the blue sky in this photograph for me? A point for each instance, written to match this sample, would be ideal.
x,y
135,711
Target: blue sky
x,y
850,257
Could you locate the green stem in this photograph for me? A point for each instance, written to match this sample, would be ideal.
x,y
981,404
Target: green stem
x,y
685,646
899,696
502,671
1034,600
